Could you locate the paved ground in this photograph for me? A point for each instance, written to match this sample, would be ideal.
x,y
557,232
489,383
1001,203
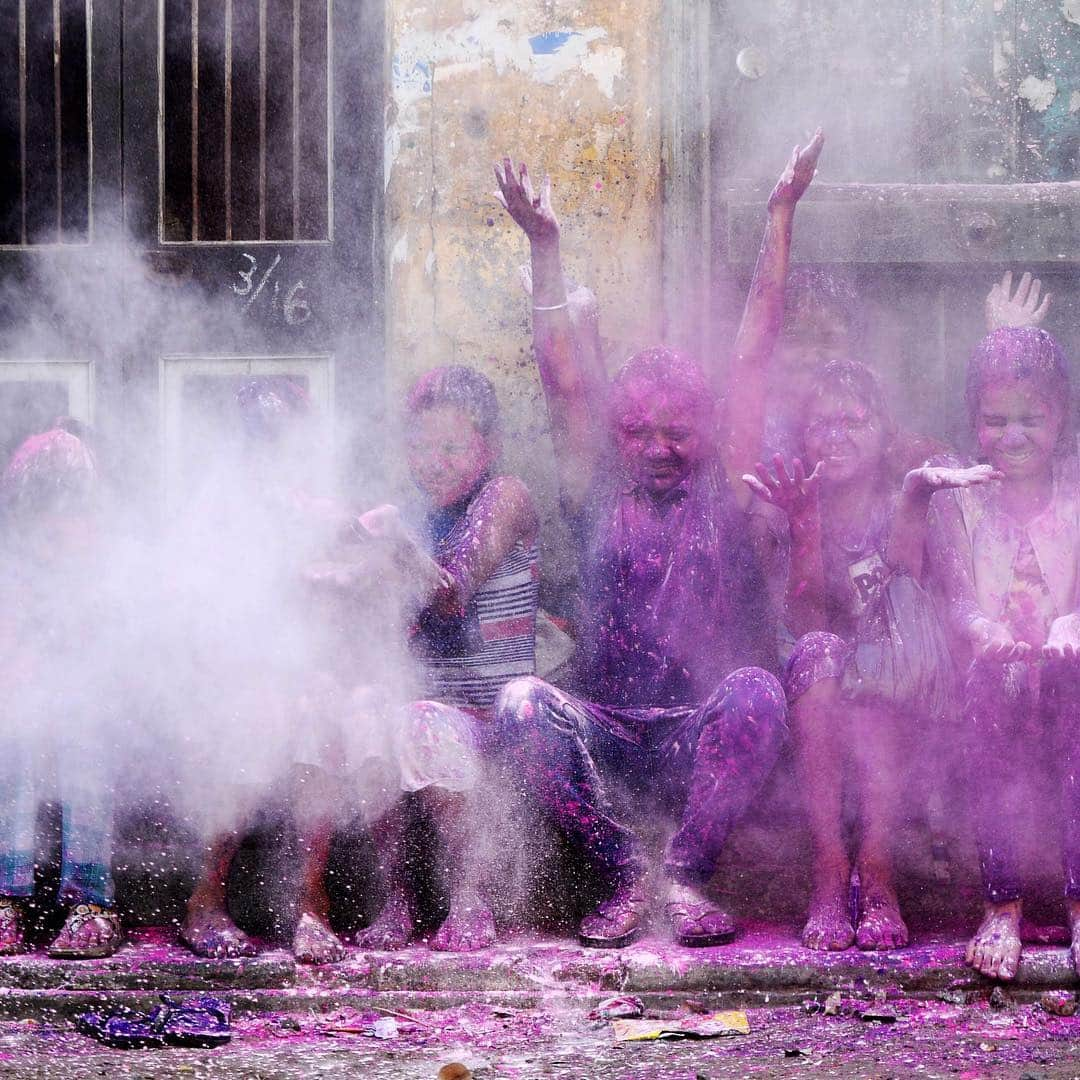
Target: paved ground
x,y
927,1039
520,1011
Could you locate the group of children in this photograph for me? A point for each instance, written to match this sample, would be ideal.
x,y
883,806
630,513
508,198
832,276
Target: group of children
x,y
862,585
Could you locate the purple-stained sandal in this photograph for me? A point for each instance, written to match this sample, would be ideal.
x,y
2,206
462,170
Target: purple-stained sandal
x,y
122,1028
11,929
201,1021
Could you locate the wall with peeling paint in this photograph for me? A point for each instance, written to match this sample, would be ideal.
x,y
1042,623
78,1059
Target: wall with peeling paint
x,y
572,88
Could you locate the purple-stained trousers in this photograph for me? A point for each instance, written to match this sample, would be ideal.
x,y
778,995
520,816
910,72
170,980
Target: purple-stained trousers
x,y
594,768
1016,716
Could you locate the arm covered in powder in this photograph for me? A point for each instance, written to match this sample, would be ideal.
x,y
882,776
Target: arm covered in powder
x,y
568,380
502,515
796,495
745,390
908,533
950,555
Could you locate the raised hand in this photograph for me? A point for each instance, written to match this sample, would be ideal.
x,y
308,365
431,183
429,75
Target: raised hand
x,y
930,478
1022,308
800,170
532,212
1063,641
795,493
994,641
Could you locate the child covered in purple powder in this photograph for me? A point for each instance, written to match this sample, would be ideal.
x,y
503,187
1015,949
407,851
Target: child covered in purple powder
x,y
1007,557
857,530
670,716
475,630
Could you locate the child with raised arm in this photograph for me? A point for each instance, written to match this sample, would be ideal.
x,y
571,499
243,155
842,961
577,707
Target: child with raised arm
x,y
1007,555
670,713
853,601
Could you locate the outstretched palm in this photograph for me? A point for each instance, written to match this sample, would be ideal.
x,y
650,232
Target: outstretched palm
x,y
800,170
1022,308
930,478
795,493
532,212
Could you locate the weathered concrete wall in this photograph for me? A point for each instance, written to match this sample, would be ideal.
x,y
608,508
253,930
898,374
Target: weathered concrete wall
x,y
571,87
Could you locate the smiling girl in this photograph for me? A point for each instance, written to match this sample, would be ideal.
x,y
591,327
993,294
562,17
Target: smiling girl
x,y
857,528
1007,557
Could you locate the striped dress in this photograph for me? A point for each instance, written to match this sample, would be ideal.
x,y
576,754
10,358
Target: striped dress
x,y
504,610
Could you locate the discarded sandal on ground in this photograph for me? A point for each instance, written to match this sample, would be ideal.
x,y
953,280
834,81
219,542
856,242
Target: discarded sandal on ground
x,y
11,927
201,1021
122,1028
699,925
66,944
617,922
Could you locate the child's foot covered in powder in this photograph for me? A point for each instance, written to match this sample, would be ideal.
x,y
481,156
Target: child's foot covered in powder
x,y
828,924
1074,929
210,932
469,926
880,925
995,948
392,929
315,943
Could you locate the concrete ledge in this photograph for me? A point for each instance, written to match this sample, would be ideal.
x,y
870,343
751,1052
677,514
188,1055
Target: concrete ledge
x,y
764,964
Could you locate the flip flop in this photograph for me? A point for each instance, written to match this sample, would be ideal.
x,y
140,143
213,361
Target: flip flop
x,y
11,931
201,1021
122,1028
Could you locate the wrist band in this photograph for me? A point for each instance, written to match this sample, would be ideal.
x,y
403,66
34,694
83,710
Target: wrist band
x,y
553,307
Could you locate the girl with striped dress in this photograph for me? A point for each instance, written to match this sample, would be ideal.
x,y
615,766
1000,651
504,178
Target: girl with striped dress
x,y
476,631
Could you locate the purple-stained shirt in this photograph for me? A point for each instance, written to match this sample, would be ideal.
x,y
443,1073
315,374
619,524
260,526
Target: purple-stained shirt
x,y
673,594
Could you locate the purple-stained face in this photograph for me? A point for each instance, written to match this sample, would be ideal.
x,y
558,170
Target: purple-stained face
x,y
447,455
660,433
845,433
1018,429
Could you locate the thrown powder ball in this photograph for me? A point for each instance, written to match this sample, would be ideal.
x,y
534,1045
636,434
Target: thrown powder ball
x,y
751,63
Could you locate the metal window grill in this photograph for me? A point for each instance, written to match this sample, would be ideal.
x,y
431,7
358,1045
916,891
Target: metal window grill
x,y
245,124
45,144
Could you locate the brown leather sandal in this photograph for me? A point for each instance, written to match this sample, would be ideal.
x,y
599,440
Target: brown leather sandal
x,y
11,927
64,946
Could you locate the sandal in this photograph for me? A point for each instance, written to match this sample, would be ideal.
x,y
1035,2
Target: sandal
x,y
64,946
617,922
11,929
201,1021
684,915
122,1029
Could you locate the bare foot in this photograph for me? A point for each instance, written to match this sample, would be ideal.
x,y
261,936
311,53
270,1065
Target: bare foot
x,y
469,926
210,932
392,929
315,943
828,923
995,948
880,924
1074,927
